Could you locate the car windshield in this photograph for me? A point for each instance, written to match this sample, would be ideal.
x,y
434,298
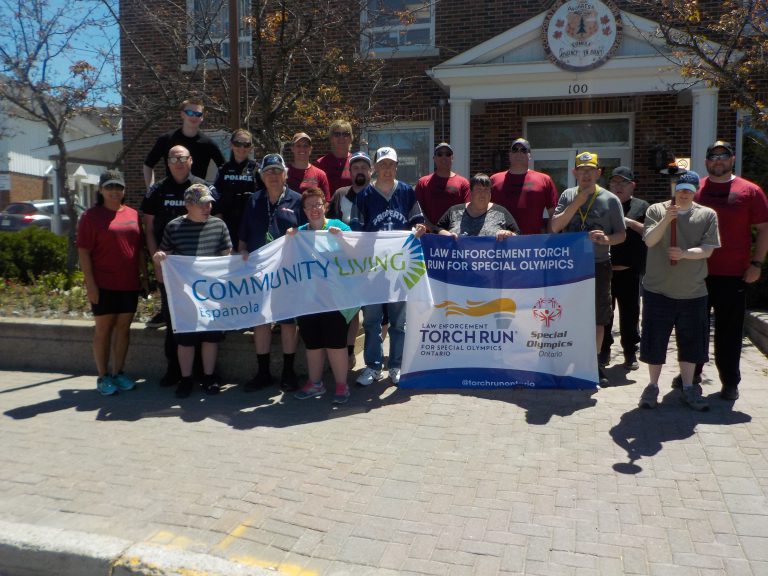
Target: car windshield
x,y
20,208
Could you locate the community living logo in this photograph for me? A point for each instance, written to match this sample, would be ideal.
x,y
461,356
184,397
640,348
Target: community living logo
x,y
416,267
547,310
502,309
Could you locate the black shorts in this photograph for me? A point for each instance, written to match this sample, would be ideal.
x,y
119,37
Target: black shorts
x,y
193,338
323,330
116,302
688,318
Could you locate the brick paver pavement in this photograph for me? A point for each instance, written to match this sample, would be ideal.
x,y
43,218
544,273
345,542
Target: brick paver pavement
x,y
401,482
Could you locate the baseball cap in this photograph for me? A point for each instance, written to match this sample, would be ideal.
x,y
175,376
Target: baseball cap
x,y
197,194
360,156
272,161
443,145
624,172
386,153
301,136
110,177
521,142
586,159
720,144
688,181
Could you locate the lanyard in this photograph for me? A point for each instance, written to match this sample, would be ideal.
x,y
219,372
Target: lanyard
x,y
270,214
583,215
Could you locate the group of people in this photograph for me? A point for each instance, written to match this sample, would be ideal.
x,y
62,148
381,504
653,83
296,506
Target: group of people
x,y
690,267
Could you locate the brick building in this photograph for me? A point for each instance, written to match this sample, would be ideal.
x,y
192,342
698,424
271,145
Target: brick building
x,y
570,76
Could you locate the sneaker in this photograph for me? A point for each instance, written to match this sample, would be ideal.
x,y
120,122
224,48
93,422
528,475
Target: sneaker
x,y
288,381
310,390
369,376
603,359
123,382
692,397
602,378
394,375
259,382
157,321
184,389
650,397
106,385
342,394
729,393
630,363
210,384
677,382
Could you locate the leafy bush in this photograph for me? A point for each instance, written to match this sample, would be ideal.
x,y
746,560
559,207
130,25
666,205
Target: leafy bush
x,y
31,253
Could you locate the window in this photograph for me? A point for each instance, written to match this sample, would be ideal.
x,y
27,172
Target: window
x,y
413,143
398,27
209,31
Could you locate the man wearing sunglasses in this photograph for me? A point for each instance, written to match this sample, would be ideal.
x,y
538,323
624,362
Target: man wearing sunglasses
x,y
438,191
200,146
740,205
335,164
530,196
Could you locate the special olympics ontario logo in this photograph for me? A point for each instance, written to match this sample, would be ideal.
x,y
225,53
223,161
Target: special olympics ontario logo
x,y
547,310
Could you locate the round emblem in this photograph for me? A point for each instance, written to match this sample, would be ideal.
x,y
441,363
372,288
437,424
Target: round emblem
x,y
581,35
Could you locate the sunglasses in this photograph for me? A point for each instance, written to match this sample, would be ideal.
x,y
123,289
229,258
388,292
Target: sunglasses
x,y
179,159
518,149
193,113
721,156
342,134
239,144
444,154
315,206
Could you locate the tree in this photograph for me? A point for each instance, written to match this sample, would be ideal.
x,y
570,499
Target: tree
x,y
44,72
722,44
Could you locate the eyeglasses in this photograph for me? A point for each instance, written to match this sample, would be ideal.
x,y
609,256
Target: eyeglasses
x,y
444,154
342,134
193,113
113,187
315,207
179,159
518,149
239,144
721,156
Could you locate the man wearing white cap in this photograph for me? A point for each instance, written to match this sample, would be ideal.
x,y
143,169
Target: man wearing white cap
x,y
438,191
386,204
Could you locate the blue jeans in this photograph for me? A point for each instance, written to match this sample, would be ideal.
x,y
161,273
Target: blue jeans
x,y
374,348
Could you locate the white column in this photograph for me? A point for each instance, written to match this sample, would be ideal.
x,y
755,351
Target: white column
x,y
703,126
460,110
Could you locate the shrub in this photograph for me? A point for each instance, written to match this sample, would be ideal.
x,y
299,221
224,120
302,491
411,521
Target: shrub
x,y
31,253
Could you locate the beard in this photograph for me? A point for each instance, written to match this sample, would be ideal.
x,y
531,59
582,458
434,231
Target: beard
x,y
719,170
360,180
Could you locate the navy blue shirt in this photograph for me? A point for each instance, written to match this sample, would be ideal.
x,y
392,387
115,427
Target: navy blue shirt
x,y
262,218
376,212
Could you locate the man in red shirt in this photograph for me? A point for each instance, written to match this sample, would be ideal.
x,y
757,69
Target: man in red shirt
x,y
740,205
301,174
438,191
530,196
335,164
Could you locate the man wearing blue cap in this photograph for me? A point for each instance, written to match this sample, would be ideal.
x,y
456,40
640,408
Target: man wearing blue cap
x,y
674,288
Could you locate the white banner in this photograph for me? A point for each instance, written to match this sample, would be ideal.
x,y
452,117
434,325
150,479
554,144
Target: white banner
x,y
294,275
513,314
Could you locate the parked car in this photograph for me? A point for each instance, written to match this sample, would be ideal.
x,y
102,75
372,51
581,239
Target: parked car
x,y
20,215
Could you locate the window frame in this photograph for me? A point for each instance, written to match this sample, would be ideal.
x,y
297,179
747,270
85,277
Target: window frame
x,y
245,38
401,50
411,126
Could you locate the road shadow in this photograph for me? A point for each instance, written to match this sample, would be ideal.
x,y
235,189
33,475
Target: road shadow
x,y
642,432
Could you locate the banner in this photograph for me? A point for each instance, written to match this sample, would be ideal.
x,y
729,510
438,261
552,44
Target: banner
x,y
519,313
305,273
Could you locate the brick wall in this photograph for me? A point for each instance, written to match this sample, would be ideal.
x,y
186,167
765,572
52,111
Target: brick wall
x,y
25,187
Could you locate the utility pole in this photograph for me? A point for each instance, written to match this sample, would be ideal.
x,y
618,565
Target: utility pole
x,y
234,66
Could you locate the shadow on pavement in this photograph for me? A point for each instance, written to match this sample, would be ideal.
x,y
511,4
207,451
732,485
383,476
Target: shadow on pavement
x,y
642,433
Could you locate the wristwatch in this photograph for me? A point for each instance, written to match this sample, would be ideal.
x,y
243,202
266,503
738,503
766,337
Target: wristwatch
x,y
756,263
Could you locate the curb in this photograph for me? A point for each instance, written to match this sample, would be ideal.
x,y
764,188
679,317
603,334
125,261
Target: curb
x,y
28,550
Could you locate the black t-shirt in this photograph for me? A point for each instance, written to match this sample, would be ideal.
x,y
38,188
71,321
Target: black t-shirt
x,y
165,201
201,147
235,183
632,251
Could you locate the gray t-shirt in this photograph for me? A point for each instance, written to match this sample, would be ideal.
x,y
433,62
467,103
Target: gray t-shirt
x,y
604,213
184,237
685,280
457,220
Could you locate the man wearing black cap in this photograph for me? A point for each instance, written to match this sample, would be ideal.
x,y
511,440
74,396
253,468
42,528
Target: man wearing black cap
x,y
628,263
530,196
740,205
438,191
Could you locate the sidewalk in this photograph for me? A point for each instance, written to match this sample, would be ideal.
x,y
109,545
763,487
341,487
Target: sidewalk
x,y
395,482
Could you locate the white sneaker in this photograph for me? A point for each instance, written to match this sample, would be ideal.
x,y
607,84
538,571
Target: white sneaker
x,y
369,376
394,375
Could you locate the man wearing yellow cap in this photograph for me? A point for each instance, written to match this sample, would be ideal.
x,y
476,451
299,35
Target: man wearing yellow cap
x,y
590,208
